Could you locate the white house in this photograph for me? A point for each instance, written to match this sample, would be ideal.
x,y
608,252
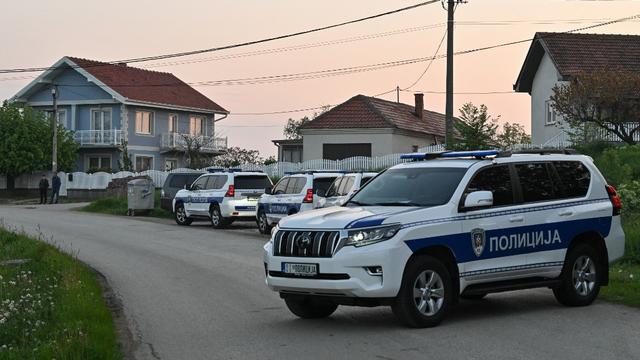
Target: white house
x,y
366,126
553,58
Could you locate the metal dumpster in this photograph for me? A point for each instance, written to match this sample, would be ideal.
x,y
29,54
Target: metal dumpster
x,y
140,195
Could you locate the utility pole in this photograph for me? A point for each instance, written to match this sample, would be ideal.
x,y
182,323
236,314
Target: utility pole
x,y
451,6
398,94
54,148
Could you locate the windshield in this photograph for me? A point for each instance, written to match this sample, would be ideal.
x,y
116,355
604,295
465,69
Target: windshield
x,y
252,182
410,187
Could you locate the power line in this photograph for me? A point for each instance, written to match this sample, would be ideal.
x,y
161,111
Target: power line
x,y
248,43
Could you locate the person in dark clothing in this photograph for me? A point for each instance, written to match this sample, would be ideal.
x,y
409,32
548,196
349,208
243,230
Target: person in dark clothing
x,y
55,188
43,185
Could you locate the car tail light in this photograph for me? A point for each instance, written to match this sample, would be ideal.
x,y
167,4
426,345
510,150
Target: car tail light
x,y
231,192
309,197
615,199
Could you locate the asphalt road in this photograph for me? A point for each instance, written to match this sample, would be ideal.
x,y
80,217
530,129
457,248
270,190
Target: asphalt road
x,y
198,293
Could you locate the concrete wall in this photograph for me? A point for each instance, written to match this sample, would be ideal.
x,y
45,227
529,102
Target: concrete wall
x,y
403,143
546,78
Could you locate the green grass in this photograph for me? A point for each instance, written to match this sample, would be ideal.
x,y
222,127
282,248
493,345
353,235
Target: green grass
x,y
624,276
118,206
52,306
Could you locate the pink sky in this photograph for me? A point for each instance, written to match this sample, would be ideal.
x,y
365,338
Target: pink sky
x,y
39,33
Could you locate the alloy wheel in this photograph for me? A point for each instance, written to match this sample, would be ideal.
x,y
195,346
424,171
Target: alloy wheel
x,y
428,292
584,275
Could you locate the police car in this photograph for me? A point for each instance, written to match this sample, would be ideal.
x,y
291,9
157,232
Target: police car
x,y
344,187
221,197
294,193
456,224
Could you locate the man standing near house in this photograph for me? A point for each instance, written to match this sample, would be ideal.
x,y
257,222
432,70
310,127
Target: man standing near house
x,y
55,188
43,185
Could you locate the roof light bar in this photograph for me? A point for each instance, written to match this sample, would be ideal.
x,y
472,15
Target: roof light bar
x,y
478,154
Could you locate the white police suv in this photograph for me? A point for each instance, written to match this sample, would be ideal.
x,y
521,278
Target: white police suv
x,y
344,187
221,196
456,224
294,193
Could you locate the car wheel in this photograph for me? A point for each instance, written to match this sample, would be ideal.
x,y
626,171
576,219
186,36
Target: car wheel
x,y
425,293
580,283
263,223
311,308
217,221
181,216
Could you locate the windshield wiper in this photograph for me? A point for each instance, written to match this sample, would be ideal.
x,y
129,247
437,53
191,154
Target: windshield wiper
x,y
398,203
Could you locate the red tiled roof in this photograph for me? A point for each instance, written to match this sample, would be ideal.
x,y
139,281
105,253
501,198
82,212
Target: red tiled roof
x,y
573,53
143,85
364,112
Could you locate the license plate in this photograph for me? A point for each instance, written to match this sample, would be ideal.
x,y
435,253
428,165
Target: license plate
x,y
300,269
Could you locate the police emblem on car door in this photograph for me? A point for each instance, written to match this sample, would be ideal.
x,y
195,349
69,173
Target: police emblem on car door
x,y
478,241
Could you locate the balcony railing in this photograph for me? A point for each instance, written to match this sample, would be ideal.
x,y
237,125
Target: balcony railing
x,y
99,137
178,142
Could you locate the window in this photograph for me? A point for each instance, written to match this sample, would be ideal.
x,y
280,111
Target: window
x,y
101,119
196,126
411,187
179,181
343,151
535,182
144,163
550,117
281,186
99,162
173,123
62,117
200,183
364,180
322,184
252,182
574,178
216,182
170,164
144,122
495,179
346,185
295,185
333,189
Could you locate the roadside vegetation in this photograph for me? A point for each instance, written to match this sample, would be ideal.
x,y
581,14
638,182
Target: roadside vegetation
x,y
624,276
118,206
51,305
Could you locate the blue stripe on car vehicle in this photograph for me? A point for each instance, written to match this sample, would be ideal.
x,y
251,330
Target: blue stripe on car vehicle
x,y
282,208
376,219
245,208
540,237
200,199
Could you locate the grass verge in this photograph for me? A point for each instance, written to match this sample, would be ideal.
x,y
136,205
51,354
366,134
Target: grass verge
x,y
624,276
51,307
118,206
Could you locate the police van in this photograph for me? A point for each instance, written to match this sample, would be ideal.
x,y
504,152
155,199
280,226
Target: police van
x,y
296,192
343,187
452,225
221,196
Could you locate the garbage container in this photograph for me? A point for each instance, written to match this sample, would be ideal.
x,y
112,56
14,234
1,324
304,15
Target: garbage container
x,y
140,195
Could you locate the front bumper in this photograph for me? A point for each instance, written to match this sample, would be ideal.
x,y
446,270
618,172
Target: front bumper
x,y
241,208
344,274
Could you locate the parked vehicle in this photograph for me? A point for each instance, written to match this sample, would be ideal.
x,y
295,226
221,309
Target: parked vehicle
x,y
452,225
221,196
344,187
173,183
294,193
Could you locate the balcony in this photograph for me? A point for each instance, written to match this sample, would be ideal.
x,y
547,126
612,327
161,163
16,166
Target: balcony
x,y
99,138
178,142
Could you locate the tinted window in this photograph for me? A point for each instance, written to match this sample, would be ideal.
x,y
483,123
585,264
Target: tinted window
x,y
281,186
199,184
322,183
574,178
295,185
333,190
179,181
495,179
364,180
535,182
412,186
216,182
346,185
252,182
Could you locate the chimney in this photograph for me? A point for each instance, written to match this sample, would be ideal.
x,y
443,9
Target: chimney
x,y
419,105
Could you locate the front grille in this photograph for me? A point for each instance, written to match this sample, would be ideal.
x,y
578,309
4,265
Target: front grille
x,y
306,243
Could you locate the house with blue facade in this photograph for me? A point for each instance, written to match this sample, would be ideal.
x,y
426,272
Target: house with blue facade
x,y
109,105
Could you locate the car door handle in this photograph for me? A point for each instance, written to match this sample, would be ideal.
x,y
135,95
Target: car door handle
x,y
516,219
565,213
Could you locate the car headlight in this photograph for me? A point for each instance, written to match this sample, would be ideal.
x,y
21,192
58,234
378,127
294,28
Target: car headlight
x,y
363,237
274,231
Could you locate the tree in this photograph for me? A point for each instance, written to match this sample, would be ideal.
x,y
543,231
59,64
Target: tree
x,y
476,128
125,164
608,99
25,142
270,160
512,134
293,127
196,159
236,156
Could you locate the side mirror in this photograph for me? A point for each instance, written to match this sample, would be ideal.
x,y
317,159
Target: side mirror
x,y
321,192
268,190
478,199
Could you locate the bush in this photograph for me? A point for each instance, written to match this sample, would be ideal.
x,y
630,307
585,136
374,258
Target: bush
x,y
630,195
620,165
